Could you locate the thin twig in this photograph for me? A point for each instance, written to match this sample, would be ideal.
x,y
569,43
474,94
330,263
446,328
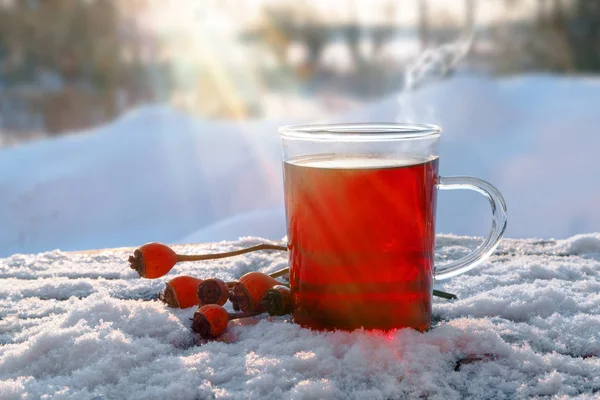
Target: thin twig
x,y
243,315
201,257
445,295
279,273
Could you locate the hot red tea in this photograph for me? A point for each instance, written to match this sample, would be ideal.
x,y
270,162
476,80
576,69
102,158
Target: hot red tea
x,y
361,235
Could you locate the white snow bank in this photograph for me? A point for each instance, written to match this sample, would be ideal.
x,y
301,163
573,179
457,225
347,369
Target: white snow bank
x,y
80,326
157,174
262,223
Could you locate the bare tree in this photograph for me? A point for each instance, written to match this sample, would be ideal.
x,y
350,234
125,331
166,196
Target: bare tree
x,y
423,23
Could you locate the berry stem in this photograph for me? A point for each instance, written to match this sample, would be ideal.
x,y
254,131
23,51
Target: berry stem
x,y
445,295
274,275
280,273
200,257
240,315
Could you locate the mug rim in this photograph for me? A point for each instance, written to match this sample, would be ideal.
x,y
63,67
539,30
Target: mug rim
x,y
362,131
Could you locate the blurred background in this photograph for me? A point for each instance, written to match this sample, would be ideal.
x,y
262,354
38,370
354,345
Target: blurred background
x,y
67,65
111,99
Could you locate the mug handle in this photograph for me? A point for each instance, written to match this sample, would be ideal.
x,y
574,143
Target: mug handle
x,y
498,224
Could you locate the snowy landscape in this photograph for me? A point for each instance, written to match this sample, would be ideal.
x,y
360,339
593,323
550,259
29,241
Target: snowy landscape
x,y
125,122
85,326
157,174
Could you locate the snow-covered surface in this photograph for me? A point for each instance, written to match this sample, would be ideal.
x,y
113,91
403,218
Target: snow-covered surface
x,y
84,326
157,174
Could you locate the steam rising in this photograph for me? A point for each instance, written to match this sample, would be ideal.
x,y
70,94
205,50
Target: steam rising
x,y
432,64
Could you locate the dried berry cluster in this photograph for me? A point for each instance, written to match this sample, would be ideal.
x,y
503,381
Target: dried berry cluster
x,y
254,293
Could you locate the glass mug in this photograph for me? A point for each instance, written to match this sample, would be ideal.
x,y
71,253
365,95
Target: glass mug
x,y
360,204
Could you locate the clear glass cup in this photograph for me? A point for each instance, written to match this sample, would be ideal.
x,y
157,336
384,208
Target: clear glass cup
x,y
360,205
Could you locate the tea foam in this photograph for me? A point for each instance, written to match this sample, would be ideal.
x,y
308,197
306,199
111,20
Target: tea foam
x,y
330,161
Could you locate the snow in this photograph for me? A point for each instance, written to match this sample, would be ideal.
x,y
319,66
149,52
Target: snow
x,y
160,175
263,223
154,175
84,326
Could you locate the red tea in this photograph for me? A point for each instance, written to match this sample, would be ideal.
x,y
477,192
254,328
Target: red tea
x,y
361,235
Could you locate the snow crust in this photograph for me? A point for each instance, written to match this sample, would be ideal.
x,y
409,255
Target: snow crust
x,y
84,326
